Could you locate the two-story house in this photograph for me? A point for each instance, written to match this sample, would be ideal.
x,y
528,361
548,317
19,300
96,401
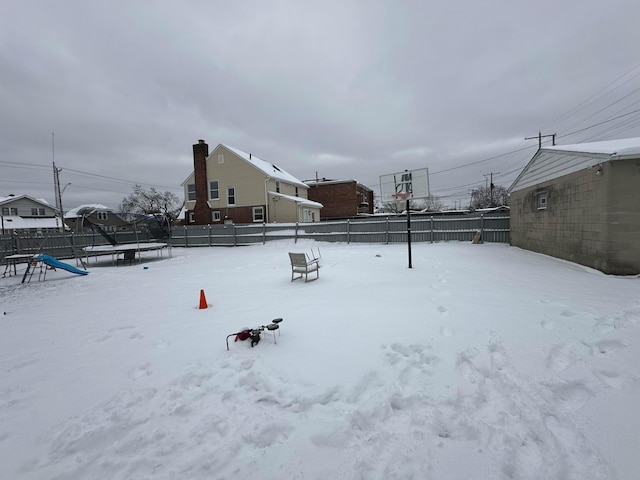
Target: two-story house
x,y
85,218
230,185
25,213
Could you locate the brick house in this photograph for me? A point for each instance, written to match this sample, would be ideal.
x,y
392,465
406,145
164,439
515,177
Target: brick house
x,y
341,198
230,185
581,203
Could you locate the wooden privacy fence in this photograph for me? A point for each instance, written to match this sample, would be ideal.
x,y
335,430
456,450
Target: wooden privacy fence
x,y
392,229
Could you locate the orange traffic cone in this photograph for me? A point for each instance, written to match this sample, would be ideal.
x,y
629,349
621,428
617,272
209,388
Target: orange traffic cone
x,y
203,300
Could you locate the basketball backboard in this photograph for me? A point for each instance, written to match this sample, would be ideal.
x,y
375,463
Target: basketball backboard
x,y
410,184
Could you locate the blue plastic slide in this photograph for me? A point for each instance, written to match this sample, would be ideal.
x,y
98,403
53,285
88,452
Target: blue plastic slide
x,y
55,263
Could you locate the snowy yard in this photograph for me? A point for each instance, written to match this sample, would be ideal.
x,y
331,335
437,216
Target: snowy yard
x,y
480,362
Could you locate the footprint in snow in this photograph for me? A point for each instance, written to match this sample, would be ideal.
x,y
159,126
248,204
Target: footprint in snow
x,y
572,395
143,370
560,357
605,347
617,380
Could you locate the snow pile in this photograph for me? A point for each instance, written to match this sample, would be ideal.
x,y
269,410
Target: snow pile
x,y
482,361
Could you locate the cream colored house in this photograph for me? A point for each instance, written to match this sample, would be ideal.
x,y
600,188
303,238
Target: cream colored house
x,y
230,185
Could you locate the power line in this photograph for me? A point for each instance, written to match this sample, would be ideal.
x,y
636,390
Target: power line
x,y
570,111
480,161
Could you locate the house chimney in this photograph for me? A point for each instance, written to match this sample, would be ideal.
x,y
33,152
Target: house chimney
x,y
201,212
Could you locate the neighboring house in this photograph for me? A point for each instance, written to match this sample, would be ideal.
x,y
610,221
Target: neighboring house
x,y
22,213
230,185
581,203
86,218
341,198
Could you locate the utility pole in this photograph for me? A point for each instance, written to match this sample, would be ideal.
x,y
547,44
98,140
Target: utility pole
x,y
540,137
490,175
56,184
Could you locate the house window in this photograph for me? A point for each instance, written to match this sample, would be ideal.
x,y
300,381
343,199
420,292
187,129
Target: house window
x,y
277,186
220,159
13,211
37,212
542,200
103,216
191,192
5,210
214,190
258,214
231,196
192,217
215,216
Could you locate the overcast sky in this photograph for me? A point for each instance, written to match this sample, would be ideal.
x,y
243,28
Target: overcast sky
x,y
341,89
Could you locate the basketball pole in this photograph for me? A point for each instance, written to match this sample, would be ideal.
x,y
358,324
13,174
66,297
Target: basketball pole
x,y
409,232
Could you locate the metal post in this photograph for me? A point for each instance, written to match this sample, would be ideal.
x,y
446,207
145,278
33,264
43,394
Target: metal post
x,y
431,228
387,232
409,232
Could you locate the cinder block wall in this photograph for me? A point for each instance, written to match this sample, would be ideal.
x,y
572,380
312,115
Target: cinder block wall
x,y
590,219
623,216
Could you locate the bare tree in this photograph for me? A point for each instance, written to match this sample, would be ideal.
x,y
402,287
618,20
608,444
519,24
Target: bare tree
x,y
486,197
163,206
433,204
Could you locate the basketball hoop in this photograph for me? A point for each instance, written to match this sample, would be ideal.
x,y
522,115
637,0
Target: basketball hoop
x,y
401,195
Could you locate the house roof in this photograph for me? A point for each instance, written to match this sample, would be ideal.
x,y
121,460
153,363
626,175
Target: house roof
x,y
299,200
326,181
86,209
622,147
557,161
14,222
268,168
12,198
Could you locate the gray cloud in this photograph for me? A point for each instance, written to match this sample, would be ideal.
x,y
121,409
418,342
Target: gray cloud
x,y
345,89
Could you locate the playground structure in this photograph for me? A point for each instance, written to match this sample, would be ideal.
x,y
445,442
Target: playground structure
x,y
127,250
43,263
18,248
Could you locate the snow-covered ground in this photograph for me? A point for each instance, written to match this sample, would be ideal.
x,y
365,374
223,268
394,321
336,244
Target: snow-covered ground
x,y
480,362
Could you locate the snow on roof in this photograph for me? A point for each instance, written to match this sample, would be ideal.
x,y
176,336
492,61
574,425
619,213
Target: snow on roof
x,y
625,146
85,209
326,181
550,163
14,222
300,200
267,168
17,197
